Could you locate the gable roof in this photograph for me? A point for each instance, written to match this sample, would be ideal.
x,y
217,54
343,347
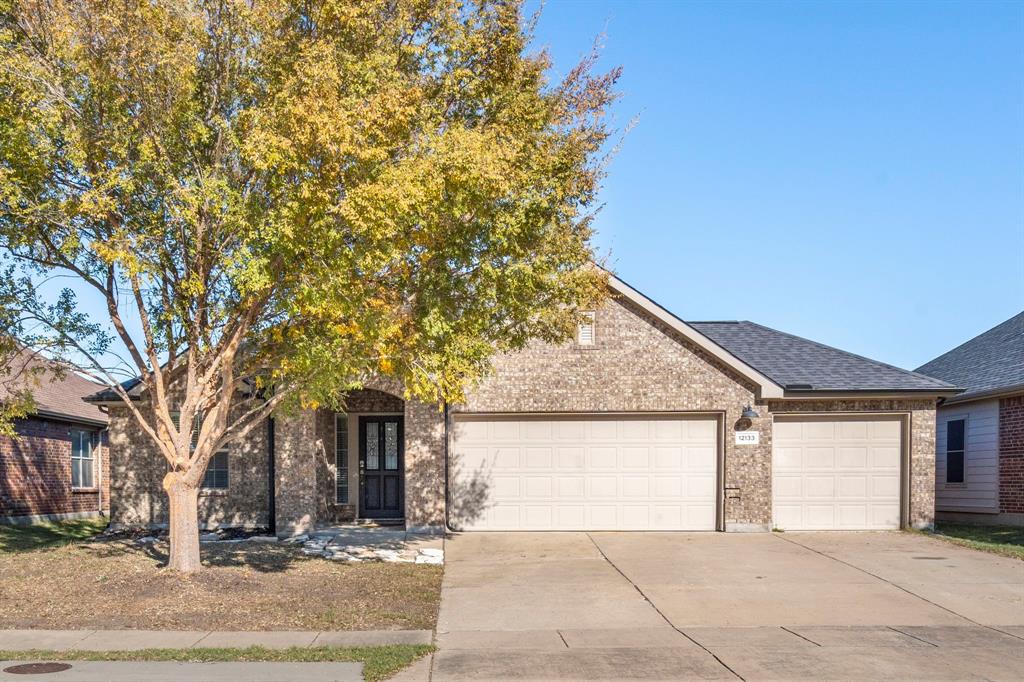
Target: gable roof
x,y
800,365
990,363
767,387
779,364
59,398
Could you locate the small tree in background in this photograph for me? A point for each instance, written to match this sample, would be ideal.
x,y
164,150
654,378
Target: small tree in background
x,y
285,197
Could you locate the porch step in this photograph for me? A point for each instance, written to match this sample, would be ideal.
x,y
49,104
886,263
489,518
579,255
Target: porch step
x,y
380,523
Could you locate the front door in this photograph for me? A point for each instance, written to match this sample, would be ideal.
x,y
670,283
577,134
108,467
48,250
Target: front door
x,y
381,467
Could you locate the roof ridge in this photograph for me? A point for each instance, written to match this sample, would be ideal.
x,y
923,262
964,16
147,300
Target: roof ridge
x,y
973,339
879,363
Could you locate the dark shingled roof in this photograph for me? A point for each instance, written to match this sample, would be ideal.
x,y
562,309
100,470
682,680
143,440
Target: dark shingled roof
x,y
133,387
798,364
60,398
989,363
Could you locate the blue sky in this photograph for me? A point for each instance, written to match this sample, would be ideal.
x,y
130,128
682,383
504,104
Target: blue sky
x,y
849,172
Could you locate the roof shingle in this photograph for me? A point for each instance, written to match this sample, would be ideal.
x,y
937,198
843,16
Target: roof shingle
x,y
990,362
55,397
797,363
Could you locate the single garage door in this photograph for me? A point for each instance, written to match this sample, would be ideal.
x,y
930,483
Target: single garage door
x,y
836,474
582,473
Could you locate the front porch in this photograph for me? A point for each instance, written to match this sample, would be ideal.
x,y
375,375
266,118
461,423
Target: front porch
x,y
380,461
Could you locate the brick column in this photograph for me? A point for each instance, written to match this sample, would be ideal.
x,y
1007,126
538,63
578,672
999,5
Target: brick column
x,y
295,464
424,467
1011,455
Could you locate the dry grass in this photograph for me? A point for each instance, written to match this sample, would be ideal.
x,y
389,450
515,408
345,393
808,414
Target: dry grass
x,y
118,584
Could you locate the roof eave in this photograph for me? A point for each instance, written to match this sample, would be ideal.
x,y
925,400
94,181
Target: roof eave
x,y
766,387
65,417
812,394
989,394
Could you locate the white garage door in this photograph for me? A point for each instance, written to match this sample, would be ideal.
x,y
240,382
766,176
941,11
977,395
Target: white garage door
x,y
582,473
830,474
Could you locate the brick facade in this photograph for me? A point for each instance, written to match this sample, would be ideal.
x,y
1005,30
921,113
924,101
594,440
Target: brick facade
x,y
137,470
35,472
638,364
1011,455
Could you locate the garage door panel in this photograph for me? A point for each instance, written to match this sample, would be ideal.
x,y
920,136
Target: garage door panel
x,y
635,457
836,474
853,458
585,473
819,458
567,430
668,458
886,457
602,458
852,487
788,459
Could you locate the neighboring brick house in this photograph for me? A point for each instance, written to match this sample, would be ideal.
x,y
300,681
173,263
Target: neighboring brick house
x,y
980,432
56,466
643,422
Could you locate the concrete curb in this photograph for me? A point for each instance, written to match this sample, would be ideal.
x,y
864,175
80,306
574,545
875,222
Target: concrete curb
x,y
134,640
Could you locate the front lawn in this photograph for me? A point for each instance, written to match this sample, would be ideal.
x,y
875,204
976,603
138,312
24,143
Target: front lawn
x,y
1004,540
120,584
379,662
22,538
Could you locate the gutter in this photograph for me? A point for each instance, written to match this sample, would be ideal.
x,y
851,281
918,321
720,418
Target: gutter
x,y
1000,392
74,419
271,478
822,394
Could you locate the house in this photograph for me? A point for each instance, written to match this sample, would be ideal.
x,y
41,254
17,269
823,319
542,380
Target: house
x,y
979,472
644,422
55,467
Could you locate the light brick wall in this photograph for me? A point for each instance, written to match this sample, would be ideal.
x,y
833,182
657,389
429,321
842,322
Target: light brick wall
x,y
138,469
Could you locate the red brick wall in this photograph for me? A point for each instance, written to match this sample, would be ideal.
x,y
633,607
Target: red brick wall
x,y
1011,455
35,472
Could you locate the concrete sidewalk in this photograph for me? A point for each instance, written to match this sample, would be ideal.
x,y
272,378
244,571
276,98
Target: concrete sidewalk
x,y
134,640
103,671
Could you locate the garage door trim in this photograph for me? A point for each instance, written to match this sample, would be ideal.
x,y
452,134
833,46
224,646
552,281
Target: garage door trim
x,y
717,415
905,459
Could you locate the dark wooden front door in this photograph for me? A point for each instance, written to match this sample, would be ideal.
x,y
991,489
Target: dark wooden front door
x,y
381,468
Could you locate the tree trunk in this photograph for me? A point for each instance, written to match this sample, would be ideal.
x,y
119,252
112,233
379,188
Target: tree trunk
x,y
184,524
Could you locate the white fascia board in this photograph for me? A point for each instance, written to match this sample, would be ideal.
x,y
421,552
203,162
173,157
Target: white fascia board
x,y
767,387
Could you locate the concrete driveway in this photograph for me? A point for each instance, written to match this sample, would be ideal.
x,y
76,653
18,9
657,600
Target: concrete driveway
x,y
727,606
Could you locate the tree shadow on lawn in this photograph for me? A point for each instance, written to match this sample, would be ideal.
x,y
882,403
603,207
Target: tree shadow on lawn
x,y
261,557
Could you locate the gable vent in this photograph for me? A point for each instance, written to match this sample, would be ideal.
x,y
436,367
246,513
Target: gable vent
x,y
585,332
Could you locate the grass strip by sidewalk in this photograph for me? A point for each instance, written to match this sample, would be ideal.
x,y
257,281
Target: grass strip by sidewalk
x,y
1003,540
379,662
40,535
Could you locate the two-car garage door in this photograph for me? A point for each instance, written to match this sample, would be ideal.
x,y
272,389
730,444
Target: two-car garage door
x,y
585,472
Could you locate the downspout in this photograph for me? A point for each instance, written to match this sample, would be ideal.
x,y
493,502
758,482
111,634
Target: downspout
x,y
271,479
447,492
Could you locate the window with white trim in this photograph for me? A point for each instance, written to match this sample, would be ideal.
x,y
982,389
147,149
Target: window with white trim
x,y
82,460
341,458
585,333
956,451
216,476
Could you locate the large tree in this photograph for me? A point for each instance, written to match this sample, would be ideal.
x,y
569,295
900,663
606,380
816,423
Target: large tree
x,y
275,199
